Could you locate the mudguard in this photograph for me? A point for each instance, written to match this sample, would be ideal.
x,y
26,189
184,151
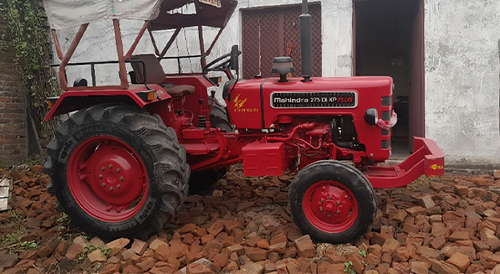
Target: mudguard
x,y
79,98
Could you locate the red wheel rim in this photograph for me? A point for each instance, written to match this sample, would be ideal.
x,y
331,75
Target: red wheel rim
x,y
330,206
107,179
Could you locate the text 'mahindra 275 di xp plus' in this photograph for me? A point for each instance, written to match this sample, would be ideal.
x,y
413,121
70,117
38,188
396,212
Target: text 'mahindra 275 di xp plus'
x,y
121,164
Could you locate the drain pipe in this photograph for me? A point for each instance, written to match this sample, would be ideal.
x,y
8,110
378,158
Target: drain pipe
x,y
305,42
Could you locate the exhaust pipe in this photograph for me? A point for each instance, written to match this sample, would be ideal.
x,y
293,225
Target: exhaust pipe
x,y
305,42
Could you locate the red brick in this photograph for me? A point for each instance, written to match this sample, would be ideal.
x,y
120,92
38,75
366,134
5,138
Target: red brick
x,y
162,252
221,259
74,251
459,260
146,263
305,247
256,254
438,242
131,269
279,238
480,246
390,246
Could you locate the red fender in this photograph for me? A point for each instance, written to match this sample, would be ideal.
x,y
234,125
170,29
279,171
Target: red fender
x,y
82,97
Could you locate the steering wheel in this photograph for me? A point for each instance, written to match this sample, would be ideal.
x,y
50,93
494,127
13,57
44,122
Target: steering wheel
x,y
225,63
219,64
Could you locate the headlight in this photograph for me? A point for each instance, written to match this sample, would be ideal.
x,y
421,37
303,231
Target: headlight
x,y
371,116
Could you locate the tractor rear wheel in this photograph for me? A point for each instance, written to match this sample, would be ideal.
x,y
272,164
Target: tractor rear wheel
x,y
218,117
332,202
117,171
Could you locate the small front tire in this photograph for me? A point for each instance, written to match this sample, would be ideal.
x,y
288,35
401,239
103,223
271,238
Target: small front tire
x,y
332,202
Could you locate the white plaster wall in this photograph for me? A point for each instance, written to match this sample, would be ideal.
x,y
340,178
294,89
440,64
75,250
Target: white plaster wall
x,y
462,68
462,65
98,41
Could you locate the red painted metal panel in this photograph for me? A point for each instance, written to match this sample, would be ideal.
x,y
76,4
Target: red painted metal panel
x,y
261,159
193,134
82,93
427,159
369,90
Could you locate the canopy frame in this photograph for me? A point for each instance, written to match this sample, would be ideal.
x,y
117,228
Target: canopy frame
x,y
151,26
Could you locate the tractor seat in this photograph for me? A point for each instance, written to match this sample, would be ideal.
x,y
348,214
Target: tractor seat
x,y
156,75
178,90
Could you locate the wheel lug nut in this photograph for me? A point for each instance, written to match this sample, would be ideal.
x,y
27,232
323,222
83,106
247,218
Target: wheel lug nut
x,y
103,184
100,176
321,208
117,170
110,166
118,186
110,188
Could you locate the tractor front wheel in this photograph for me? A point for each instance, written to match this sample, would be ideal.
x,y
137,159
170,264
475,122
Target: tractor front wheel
x,y
117,171
332,202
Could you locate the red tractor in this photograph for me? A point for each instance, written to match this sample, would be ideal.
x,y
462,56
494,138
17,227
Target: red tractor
x,y
120,165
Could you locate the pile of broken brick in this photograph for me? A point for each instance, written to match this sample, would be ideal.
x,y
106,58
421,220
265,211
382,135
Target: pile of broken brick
x,y
439,225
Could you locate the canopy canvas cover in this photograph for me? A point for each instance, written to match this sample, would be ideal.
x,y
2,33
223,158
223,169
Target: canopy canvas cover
x,y
70,13
156,14
212,13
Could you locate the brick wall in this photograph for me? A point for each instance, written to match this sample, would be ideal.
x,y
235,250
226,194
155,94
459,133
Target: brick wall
x,y
13,130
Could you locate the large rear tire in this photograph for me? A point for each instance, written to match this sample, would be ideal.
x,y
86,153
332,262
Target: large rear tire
x,y
117,171
218,117
332,202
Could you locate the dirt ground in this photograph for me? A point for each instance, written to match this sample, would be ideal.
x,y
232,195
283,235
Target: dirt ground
x,y
449,224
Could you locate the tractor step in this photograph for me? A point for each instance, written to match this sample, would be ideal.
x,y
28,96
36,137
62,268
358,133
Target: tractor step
x,y
200,148
428,159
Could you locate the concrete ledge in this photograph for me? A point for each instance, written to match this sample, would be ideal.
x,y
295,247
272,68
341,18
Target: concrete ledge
x,y
5,194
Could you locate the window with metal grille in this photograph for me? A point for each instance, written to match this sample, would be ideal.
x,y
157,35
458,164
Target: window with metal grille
x,y
272,32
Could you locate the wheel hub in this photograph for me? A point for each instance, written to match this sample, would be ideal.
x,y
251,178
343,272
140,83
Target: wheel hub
x,y
114,174
330,206
107,179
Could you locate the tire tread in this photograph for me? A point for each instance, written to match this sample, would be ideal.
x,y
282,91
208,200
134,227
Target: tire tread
x,y
163,146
